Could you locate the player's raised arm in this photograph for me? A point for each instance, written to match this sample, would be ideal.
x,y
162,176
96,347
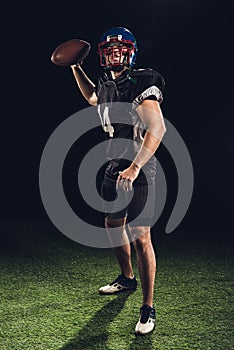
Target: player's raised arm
x,y
71,53
86,86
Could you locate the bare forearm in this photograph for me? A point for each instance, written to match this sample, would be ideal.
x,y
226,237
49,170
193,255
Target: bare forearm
x,y
147,150
85,85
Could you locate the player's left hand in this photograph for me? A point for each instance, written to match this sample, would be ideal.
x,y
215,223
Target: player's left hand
x,y
126,178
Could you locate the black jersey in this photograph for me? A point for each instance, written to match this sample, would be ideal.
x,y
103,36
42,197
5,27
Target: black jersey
x,y
117,102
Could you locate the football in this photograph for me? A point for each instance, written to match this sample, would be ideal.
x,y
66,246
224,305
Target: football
x,y
70,52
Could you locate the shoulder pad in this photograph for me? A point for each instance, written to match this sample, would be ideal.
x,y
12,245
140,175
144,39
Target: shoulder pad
x,y
150,76
143,72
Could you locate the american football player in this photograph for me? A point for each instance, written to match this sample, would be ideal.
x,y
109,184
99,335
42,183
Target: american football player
x,y
128,103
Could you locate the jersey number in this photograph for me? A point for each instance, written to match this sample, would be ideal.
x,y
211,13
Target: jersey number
x,y
105,120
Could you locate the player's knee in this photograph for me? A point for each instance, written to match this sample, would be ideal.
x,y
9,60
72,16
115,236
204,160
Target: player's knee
x,y
141,237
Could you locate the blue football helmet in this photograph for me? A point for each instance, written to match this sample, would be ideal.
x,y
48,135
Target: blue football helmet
x,y
122,41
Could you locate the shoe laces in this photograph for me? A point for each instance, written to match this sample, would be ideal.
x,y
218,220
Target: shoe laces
x,y
123,279
146,313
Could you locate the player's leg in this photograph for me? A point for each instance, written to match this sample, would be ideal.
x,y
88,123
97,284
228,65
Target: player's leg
x,y
126,280
115,227
122,252
146,261
141,212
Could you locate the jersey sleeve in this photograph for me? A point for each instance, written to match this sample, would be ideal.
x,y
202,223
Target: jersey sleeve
x,y
149,85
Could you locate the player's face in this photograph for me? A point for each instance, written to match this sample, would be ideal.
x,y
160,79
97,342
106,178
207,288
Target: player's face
x,y
115,54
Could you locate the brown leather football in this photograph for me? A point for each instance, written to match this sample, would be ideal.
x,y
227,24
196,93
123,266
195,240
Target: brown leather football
x,y
70,52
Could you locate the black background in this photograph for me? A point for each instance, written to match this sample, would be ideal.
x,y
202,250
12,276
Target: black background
x,y
188,42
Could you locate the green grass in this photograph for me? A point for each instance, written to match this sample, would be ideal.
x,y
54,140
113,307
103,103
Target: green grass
x,y
49,298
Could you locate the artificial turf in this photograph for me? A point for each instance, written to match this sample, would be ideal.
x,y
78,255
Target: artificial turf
x,y
49,298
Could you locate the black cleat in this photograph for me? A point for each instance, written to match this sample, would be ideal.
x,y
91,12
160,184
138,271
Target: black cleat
x,y
121,283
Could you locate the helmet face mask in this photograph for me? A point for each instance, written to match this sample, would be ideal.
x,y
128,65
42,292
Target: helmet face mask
x,y
117,49
115,52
